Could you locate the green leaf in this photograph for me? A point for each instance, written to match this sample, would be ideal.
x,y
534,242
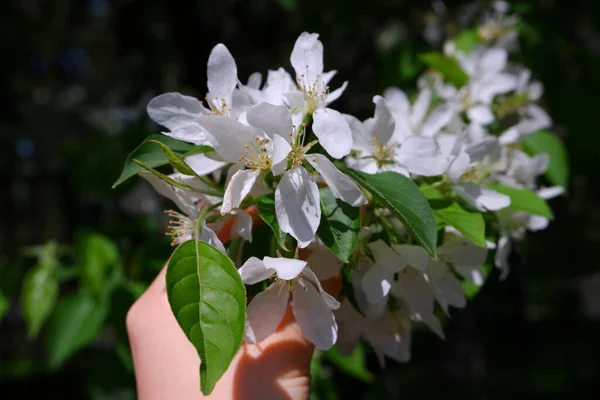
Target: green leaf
x,y
75,322
353,364
208,299
40,291
402,197
470,224
467,40
152,156
547,142
339,226
164,177
524,200
266,211
4,305
97,255
176,161
470,289
447,66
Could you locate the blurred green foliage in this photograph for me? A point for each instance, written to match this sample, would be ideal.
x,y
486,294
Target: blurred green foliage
x,y
75,78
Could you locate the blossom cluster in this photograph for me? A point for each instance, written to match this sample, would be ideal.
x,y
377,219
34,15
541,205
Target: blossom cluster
x,y
282,141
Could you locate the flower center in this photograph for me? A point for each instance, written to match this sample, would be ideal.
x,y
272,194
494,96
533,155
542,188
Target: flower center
x,y
256,156
383,154
218,106
180,228
315,93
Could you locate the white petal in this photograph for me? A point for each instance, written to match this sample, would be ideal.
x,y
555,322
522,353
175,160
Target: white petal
x,y
381,126
222,75
333,96
281,149
340,185
278,83
482,198
415,256
265,312
368,165
376,283
294,99
459,166
447,289
412,287
482,114
501,83
297,205
324,263
478,151
254,80
503,251
180,114
422,156
273,120
203,165
397,100
386,257
493,60
437,119
243,225
184,200
331,301
462,252
360,138
333,132
286,268
227,136
327,76
254,271
307,57
238,188
314,316
550,192
419,109
209,236
510,136
537,223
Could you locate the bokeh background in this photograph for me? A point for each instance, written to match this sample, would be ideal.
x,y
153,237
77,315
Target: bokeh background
x,y
75,77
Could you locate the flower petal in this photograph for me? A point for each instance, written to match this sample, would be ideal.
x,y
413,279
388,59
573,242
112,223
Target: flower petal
x,y
239,186
273,120
493,60
227,136
336,94
265,312
459,166
422,156
486,90
503,251
360,139
419,109
386,257
209,236
397,100
382,125
413,255
340,185
482,198
437,119
254,80
281,149
331,301
222,76
323,263
463,252
203,165
412,287
180,114
297,205
333,132
286,268
307,58
482,114
314,316
446,288
185,201
376,283
254,271
243,225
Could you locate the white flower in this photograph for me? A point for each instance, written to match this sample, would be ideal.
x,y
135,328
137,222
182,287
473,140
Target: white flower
x,y
311,305
389,334
183,227
415,120
313,96
278,83
379,151
470,162
251,150
182,114
297,195
466,258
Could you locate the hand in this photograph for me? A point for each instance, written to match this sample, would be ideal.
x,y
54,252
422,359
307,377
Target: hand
x,y
166,363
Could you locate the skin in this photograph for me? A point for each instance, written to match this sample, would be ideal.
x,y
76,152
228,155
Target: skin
x,y
166,364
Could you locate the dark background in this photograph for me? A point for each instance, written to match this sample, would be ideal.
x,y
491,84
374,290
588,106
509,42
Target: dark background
x,y
75,77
